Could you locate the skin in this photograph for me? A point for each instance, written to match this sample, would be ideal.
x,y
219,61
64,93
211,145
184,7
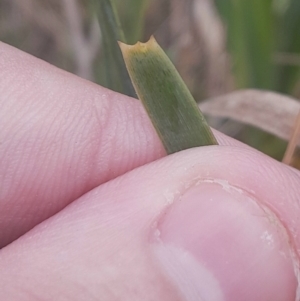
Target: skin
x,y
91,208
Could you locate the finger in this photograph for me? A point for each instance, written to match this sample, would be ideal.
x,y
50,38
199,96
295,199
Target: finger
x,y
60,137
213,223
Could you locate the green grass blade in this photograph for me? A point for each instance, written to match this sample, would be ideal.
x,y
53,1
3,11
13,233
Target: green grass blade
x,y
250,31
117,77
168,102
289,42
132,15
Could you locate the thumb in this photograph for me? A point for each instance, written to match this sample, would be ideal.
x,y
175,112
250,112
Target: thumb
x,y
213,223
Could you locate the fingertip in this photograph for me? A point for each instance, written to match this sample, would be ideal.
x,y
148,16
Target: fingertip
x,y
217,243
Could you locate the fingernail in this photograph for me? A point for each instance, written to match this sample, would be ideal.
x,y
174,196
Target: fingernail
x,y
216,242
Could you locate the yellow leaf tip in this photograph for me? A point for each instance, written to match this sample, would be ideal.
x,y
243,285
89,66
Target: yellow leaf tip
x,y
123,46
139,46
150,43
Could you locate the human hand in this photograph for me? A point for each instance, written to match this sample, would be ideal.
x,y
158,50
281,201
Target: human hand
x,y
211,223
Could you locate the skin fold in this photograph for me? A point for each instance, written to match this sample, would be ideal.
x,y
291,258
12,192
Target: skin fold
x,y
91,208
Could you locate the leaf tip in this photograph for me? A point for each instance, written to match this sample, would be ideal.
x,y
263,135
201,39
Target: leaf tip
x,y
123,46
139,47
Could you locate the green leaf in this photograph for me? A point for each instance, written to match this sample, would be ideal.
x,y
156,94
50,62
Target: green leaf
x,y
132,15
289,42
116,74
250,40
168,102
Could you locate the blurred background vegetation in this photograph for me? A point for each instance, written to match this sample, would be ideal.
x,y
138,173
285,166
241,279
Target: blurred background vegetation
x,y
218,46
